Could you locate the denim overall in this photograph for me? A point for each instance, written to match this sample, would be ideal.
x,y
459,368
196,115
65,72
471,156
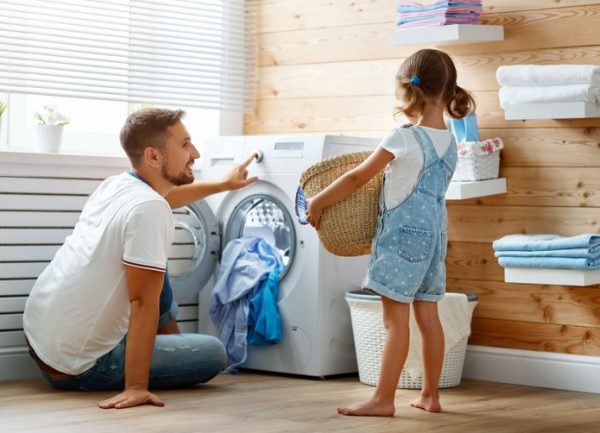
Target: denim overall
x,y
409,248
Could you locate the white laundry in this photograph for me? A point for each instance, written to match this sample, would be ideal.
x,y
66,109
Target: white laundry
x,y
536,94
455,315
547,75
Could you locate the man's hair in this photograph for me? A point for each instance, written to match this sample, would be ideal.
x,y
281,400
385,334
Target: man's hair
x,y
147,127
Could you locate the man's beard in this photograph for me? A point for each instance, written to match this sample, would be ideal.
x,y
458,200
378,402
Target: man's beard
x,y
181,179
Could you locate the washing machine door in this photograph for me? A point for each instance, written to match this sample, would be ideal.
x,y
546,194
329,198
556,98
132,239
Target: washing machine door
x,y
194,254
265,216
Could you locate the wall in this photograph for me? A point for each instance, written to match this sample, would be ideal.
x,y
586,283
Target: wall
x,y
328,67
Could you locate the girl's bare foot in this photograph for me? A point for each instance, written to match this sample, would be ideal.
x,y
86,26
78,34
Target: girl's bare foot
x,y
368,408
428,403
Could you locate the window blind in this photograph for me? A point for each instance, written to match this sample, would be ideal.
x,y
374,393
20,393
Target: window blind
x,y
187,53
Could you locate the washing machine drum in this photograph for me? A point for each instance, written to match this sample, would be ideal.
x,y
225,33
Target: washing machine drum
x,y
194,254
264,216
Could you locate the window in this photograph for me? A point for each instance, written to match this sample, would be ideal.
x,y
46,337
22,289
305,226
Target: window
x,y
95,60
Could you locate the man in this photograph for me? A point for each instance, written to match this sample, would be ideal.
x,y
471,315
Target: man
x,y
93,315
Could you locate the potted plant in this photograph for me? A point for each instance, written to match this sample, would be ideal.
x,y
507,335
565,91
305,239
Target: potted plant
x,y
47,133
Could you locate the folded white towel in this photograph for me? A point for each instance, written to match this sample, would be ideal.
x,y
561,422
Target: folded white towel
x,y
533,94
547,75
455,313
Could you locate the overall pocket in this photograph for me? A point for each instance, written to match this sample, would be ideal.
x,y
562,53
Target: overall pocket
x,y
414,244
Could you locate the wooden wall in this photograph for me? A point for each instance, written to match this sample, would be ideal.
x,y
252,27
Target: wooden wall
x,y
328,67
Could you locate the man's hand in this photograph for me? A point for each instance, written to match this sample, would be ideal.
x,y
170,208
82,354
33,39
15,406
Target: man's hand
x,y
131,398
237,176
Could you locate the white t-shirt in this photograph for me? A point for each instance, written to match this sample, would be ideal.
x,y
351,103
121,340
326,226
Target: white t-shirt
x,y
402,173
78,309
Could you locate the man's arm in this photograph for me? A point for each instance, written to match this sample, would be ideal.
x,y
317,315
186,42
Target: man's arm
x,y
235,178
144,295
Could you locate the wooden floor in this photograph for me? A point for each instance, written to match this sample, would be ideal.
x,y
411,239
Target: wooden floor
x,y
253,402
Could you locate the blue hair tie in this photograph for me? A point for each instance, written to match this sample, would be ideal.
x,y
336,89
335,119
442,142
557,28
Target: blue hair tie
x,y
415,81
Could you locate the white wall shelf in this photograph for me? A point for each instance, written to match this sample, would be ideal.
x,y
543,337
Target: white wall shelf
x,y
552,110
565,277
447,35
476,188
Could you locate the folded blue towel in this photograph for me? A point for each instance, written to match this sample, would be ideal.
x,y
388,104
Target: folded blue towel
x,y
550,262
582,253
545,242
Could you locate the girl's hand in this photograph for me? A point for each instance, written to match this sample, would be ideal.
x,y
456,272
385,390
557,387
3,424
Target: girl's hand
x,y
313,214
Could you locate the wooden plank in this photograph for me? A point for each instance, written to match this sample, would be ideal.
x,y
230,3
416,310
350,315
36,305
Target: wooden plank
x,y
472,260
472,223
375,113
561,305
575,340
281,15
369,43
503,6
284,15
359,75
551,186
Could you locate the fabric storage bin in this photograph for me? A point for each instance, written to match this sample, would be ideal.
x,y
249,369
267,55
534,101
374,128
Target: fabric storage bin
x,y
366,312
478,160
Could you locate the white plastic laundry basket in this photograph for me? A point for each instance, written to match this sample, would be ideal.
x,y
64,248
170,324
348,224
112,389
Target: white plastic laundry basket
x,y
366,313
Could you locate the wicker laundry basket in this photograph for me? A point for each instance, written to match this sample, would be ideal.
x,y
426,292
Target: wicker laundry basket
x,y
347,227
369,336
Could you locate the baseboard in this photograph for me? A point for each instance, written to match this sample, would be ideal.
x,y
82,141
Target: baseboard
x,y
527,367
16,364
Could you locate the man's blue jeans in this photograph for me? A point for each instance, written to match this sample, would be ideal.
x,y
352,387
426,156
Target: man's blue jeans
x,y
178,360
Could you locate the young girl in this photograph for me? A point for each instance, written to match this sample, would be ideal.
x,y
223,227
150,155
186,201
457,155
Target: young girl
x,y
408,252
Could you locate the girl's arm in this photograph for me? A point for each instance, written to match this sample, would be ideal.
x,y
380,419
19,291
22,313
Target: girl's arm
x,y
346,184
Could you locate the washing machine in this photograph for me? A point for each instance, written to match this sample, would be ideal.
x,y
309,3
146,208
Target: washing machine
x,y
317,332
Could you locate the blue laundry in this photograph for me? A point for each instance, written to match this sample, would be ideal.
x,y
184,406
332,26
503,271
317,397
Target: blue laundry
x,y
245,263
550,262
544,242
465,129
264,320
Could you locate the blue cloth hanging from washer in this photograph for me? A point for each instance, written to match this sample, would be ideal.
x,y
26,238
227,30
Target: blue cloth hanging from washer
x,y
248,280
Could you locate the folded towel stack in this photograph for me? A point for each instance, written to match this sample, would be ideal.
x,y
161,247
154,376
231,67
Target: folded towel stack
x,y
581,252
523,84
439,13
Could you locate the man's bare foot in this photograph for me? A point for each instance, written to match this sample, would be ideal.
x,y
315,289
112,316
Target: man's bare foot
x,y
428,403
368,408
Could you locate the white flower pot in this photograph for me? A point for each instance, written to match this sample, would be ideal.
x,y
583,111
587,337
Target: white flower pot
x,y
47,138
